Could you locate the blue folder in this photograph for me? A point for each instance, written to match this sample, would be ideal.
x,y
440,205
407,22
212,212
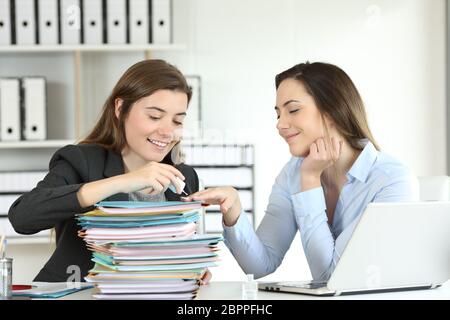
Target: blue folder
x,y
142,204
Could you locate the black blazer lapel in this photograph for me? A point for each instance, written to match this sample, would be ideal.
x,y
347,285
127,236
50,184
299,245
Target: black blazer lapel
x,y
114,167
113,164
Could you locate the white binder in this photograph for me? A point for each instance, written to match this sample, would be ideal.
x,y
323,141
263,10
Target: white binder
x,y
5,22
240,177
10,109
34,126
161,22
48,21
116,22
192,126
20,181
70,18
233,155
139,21
25,22
93,21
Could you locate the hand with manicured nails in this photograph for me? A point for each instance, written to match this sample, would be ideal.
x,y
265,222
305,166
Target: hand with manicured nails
x,y
154,176
226,197
323,153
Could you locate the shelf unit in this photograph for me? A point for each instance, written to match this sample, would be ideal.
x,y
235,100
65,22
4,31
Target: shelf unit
x,y
225,164
89,48
26,240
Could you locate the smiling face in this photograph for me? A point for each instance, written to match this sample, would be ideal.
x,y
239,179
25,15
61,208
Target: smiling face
x,y
154,125
299,120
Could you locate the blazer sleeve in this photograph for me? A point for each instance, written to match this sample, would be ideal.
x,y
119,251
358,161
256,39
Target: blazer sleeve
x,y
54,199
196,186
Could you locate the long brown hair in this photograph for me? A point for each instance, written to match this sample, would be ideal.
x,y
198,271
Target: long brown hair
x,y
336,97
139,81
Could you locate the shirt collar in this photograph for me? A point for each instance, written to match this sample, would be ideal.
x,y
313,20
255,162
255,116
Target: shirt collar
x,y
361,167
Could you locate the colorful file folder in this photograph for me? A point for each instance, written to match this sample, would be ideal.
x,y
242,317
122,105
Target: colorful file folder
x,y
147,250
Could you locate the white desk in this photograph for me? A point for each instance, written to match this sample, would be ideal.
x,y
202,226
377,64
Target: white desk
x,y
232,291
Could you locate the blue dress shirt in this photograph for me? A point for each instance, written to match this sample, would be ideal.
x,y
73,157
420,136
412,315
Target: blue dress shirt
x,y
374,177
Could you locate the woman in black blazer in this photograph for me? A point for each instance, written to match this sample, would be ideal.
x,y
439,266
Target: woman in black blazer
x,y
131,154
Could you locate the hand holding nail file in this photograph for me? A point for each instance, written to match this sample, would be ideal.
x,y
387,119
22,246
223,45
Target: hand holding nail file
x,y
181,184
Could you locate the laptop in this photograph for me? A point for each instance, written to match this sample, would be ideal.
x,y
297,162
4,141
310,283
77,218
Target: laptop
x,y
394,247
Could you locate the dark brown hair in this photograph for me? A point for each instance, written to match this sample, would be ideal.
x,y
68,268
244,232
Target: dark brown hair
x,y
335,96
139,81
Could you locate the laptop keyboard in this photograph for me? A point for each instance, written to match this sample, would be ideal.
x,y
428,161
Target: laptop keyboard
x,y
304,285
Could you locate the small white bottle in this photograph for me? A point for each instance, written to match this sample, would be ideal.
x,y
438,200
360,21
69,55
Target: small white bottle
x,y
250,288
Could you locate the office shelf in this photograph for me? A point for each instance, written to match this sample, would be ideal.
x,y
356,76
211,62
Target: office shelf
x,y
223,164
34,144
26,240
90,48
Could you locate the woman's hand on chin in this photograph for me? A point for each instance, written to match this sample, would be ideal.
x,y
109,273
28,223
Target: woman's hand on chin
x,y
322,155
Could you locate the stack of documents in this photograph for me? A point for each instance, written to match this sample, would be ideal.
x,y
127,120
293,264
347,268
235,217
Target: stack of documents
x,y
147,250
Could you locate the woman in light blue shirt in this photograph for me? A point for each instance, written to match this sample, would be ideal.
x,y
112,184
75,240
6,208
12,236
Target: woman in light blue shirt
x,y
336,169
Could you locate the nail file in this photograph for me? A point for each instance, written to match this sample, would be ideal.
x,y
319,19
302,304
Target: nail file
x,y
180,183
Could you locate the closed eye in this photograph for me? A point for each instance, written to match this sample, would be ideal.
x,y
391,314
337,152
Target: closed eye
x,y
154,118
178,123
294,111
